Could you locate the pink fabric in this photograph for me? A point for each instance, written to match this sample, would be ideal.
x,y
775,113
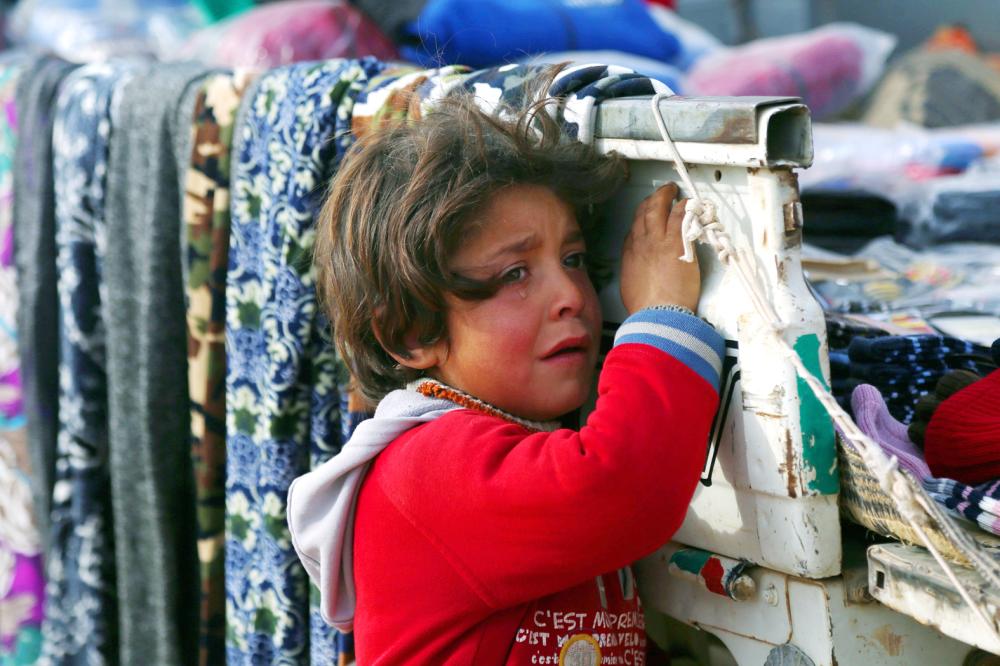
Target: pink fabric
x,y
824,70
285,32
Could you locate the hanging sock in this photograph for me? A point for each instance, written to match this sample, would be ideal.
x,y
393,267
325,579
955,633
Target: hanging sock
x,y
961,438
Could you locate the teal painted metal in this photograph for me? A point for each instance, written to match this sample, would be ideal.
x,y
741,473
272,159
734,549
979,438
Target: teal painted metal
x,y
819,446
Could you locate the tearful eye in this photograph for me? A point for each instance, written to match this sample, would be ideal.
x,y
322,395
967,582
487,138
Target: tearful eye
x,y
515,274
576,260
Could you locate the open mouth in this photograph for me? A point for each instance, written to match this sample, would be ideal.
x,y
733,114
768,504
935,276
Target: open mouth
x,y
567,349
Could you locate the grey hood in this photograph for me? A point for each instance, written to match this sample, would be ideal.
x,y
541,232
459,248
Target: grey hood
x,y
322,503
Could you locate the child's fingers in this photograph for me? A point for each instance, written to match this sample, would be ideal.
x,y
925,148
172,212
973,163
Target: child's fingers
x,y
656,211
676,219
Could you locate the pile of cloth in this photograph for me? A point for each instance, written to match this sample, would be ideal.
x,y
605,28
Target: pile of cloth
x,y
950,449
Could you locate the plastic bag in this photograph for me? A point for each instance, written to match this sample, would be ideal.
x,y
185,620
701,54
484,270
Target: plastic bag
x,y
855,156
86,30
951,209
286,32
484,33
829,68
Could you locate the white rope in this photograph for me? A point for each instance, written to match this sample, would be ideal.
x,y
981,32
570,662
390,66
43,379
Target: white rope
x,y
701,223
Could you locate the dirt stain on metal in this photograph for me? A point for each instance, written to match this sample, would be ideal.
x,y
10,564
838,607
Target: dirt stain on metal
x,y
890,641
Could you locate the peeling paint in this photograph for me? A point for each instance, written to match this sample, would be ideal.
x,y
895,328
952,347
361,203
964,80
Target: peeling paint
x,y
790,465
819,451
690,560
721,575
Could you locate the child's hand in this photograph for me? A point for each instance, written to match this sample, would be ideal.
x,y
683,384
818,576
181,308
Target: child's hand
x,y
652,272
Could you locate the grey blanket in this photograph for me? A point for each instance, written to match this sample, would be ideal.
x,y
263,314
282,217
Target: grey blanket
x,y
35,259
150,450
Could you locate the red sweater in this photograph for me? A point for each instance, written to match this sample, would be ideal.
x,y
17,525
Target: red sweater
x,y
480,542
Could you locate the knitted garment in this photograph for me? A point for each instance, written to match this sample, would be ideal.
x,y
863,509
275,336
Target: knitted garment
x,y
81,589
962,436
948,384
22,587
283,378
35,258
205,213
149,412
872,416
978,504
903,368
841,329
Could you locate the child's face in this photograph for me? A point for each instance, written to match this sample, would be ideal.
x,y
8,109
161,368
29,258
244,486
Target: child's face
x,y
530,349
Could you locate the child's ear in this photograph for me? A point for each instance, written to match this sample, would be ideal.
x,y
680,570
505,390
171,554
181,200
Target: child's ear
x,y
417,356
422,357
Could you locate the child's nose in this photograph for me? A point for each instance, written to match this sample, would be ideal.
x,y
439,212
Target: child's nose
x,y
569,296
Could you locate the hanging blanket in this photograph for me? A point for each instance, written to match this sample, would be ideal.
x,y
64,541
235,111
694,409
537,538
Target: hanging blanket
x,y
149,413
81,606
35,258
206,220
282,374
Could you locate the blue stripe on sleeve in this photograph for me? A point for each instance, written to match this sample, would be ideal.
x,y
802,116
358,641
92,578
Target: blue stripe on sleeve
x,y
688,339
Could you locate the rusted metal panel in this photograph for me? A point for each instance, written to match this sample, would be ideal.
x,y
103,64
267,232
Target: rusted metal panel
x,y
908,579
746,131
703,119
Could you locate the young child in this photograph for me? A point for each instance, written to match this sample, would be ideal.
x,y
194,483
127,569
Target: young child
x,y
460,525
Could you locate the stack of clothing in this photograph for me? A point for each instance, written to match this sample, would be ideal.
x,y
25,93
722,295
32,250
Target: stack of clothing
x,y
902,367
964,447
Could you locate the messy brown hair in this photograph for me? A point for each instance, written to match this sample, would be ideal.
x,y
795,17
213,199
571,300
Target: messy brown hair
x,y
406,197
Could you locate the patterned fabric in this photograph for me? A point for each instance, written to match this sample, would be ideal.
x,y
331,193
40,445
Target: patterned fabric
x,y
282,375
407,93
81,618
979,504
22,587
206,218
904,367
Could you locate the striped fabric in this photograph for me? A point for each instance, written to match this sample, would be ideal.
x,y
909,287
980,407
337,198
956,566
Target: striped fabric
x,y
688,339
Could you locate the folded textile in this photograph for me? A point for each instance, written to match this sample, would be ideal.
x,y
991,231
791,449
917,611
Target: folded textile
x,y
986,495
282,33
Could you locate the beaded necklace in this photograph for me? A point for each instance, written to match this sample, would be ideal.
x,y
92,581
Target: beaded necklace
x,y
432,388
